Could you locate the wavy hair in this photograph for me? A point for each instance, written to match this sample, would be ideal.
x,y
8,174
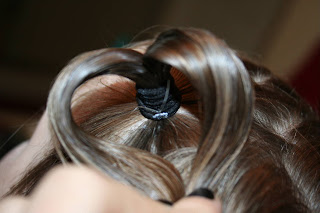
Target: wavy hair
x,y
239,131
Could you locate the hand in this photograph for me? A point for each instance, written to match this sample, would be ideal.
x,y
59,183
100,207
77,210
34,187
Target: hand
x,y
82,190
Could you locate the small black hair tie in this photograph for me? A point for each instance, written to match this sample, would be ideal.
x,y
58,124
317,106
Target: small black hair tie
x,y
159,103
166,202
203,192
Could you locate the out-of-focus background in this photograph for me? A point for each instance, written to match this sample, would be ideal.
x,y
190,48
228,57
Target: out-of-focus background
x,y
37,38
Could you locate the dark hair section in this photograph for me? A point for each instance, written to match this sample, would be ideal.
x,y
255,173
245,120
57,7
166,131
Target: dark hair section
x,y
239,131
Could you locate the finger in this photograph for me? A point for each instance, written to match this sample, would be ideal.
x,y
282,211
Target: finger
x,y
197,204
14,205
76,190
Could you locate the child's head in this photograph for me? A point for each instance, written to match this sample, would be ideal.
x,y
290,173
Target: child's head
x,y
181,112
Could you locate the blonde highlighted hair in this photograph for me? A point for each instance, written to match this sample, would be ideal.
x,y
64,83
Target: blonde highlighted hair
x,y
239,131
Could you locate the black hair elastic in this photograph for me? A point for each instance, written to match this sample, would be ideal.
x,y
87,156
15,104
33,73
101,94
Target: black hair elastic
x,y
203,192
159,103
166,202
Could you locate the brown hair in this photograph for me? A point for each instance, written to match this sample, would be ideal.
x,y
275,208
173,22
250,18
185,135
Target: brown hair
x,y
240,131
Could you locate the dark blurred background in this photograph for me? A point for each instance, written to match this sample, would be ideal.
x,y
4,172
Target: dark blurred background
x,y
37,38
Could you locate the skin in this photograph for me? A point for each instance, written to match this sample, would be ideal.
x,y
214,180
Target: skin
x,y
76,189
68,189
